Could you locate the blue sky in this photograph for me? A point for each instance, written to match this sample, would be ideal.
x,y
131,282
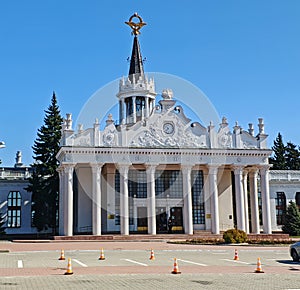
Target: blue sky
x,y
244,55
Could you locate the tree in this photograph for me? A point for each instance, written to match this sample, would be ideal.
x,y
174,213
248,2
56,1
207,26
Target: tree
x,y
279,160
44,183
291,223
2,226
292,157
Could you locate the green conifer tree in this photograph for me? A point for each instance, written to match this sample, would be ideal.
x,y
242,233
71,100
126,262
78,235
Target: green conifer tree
x,y
2,226
278,160
44,183
292,157
291,223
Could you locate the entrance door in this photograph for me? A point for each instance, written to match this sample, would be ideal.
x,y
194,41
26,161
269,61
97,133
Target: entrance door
x,y
142,223
176,219
161,220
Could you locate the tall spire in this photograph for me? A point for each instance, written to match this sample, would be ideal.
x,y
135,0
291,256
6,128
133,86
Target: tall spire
x,y
136,62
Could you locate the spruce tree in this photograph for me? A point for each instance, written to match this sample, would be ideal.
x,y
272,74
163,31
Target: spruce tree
x,y
2,226
44,183
292,157
291,224
278,161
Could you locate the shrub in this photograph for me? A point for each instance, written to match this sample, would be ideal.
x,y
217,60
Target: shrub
x,y
234,236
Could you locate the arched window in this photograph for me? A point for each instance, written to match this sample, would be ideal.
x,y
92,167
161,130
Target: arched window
x,y
280,207
14,209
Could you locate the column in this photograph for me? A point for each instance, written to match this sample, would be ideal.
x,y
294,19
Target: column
x,y
96,198
254,201
265,198
68,192
213,187
151,213
133,110
239,198
121,111
61,202
245,190
146,107
124,209
187,200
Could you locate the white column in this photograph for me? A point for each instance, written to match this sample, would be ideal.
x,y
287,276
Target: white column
x,y
146,107
96,198
213,187
239,198
265,199
254,201
133,110
68,171
151,213
187,200
124,209
245,190
61,202
121,111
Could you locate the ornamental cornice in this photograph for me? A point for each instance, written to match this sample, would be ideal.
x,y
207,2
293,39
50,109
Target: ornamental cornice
x,y
167,151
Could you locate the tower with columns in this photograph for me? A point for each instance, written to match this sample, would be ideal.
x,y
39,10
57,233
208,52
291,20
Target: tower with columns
x,y
157,171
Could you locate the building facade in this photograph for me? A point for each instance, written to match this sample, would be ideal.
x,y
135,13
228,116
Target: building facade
x,y
15,201
284,187
157,170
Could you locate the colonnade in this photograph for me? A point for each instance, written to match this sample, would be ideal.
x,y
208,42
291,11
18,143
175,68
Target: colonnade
x,y
241,175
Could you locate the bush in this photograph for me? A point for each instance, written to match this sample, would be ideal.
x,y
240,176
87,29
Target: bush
x,y
234,236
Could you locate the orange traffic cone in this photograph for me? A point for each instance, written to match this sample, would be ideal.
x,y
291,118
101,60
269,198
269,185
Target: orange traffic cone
x,y
236,255
175,270
69,268
62,255
102,255
152,255
258,268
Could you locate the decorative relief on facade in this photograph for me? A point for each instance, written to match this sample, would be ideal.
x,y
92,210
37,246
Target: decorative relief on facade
x,y
154,137
83,139
249,141
108,139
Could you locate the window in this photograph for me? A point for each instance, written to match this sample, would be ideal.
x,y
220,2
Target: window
x,y
14,209
137,183
117,198
280,207
297,199
198,198
168,183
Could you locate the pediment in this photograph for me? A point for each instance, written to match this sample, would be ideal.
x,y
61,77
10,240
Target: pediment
x,y
169,129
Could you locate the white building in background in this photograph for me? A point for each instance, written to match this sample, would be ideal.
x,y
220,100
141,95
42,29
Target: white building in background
x,y
158,164
284,187
15,201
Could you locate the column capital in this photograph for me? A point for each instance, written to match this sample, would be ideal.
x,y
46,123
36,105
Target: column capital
x,y
123,168
96,167
186,168
253,171
263,169
150,168
68,168
238,169
213,168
